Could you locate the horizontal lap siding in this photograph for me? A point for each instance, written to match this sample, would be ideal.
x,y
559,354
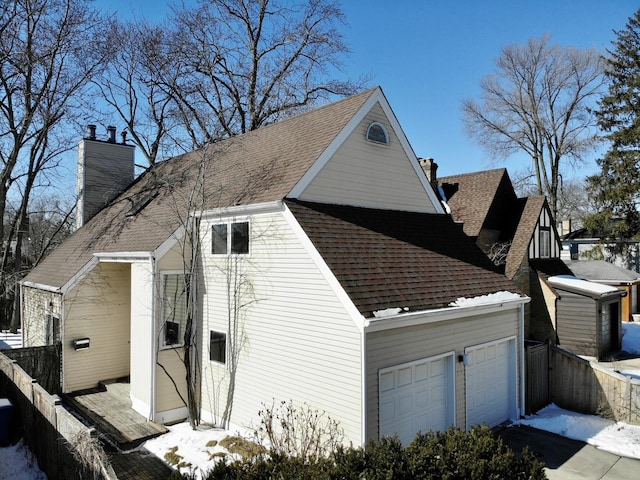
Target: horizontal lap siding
x,y
98,308
577,323
36,305
370,175
298,342
402,345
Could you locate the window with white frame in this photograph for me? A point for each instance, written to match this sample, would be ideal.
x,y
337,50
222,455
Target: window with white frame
x,y
376,133
545,242
175,291
217,347
230,238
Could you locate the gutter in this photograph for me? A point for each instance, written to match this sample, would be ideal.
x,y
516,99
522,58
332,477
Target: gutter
x,y
439,315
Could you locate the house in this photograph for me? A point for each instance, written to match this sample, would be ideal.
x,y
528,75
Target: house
x,y
582,244
601,271
521,236
322,269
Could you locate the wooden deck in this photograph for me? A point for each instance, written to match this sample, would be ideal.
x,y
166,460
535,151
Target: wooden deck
x,y
108,408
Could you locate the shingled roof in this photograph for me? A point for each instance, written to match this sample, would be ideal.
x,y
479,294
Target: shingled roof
x,y
390,259
473,194
259,166
531,208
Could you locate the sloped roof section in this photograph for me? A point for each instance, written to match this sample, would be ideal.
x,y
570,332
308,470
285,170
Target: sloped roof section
x,y
259,166
519,251
389,259
602,271
474,196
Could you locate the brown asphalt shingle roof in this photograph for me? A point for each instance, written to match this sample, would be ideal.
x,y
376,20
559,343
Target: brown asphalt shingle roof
x,y
475,195
519,251
259,166
391,259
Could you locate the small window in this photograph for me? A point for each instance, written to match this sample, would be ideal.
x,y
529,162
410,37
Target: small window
x,y
545,242
234,240
377,133
217,347
53,329
174,308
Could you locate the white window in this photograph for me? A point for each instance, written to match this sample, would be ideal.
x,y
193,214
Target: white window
x,y
230,238
545,242
377,133
175,290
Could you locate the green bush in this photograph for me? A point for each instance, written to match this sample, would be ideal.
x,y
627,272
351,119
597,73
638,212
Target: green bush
x,y
449,455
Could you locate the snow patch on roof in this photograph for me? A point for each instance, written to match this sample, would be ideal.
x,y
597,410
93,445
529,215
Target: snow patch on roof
x,y
581,285
389,312
485,299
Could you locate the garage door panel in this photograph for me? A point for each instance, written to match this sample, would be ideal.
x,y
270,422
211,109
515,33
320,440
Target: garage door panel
x,y
417,397
491,383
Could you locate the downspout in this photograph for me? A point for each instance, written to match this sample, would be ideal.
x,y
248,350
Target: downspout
x,y
523,373
154,340
363,384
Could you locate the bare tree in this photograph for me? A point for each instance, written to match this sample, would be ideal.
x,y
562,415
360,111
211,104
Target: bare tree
x,y
537,102
49,51
223,68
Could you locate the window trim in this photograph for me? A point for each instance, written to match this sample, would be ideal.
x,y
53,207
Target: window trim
x,y
544,246
229,227
225,336
181,324
384,131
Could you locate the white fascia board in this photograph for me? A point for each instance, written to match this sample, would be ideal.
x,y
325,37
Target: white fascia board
x,y
241,210
41,286
440,315
79,275
169,243
122,257
325,270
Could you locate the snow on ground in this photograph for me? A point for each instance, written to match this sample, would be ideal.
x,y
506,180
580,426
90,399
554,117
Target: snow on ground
x,y
200,449
10,340
18,463
615,437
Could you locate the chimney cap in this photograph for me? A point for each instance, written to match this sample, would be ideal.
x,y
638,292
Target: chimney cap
x,y
91,131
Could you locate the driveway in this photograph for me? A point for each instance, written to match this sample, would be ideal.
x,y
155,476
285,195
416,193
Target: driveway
x,y
567,459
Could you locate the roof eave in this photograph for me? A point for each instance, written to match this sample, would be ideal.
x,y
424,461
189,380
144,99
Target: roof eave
x,y
439,315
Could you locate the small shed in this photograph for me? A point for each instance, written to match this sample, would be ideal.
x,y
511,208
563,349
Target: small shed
x,y
588,316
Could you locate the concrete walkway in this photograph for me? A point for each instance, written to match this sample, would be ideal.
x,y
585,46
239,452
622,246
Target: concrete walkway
x,y
567,459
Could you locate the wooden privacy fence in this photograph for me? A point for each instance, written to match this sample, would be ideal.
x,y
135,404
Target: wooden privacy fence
x,y
48,428
587,387
537,376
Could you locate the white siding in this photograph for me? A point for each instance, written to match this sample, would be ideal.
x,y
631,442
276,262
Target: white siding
x,y
294,340
142,337
402,345
97,308
367,174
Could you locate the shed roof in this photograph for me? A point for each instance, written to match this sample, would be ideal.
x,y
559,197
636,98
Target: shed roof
x,y
584,287
389,259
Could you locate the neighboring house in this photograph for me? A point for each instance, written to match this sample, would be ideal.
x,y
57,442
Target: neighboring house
x,y
323,270
600,271
520,234
581,244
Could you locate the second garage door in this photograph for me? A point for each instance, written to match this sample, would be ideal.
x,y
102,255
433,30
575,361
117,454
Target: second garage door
x,y
416,397
491,382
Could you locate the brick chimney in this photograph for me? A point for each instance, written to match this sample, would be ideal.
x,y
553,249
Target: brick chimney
x,y
429,166
105,168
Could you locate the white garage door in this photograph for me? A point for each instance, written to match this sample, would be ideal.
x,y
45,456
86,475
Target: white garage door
x,y
416,397
491,382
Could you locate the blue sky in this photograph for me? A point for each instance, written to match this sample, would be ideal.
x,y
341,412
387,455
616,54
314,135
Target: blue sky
x,y
428,55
